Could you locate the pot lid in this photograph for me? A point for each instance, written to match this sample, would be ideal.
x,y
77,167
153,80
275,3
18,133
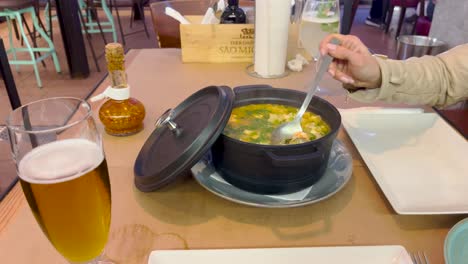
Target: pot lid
x,y
182,136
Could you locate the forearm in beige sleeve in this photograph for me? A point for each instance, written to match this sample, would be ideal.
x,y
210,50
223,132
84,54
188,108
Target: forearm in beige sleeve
x,y
431,80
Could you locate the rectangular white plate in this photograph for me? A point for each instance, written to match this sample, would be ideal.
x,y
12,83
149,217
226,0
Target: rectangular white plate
x,y
328,255
418,160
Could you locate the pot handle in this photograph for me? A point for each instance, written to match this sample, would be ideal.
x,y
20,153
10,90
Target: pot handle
x,y
293,160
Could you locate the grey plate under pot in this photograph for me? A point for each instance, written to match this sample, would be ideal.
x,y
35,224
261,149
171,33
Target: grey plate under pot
x,y
338,173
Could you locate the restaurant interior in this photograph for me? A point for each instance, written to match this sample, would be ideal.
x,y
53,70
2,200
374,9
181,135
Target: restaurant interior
x,y
381,208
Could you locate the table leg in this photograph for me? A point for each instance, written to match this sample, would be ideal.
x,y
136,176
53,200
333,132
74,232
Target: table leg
x,y
5,72
73,42
349,12
136,9
385,6
136,12
354,9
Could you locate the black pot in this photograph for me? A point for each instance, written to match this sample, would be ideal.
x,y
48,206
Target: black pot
x,y
269,169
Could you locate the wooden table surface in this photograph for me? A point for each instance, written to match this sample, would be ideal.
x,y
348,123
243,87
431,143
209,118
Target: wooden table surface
x,y
185,215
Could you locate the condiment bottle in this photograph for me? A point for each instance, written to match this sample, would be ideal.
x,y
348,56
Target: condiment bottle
x,y
121,114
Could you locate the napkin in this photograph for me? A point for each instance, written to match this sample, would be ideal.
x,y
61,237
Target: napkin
x,y
176,15
209,17
221,5
297,63
297,196
210,14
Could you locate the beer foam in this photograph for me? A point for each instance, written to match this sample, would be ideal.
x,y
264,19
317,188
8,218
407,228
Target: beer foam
x,y
60,161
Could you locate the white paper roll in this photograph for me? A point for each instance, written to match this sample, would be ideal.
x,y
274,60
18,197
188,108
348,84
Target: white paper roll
x,y
272,20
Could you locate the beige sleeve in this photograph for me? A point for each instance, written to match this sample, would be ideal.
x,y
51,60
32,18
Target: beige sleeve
x,y
432,80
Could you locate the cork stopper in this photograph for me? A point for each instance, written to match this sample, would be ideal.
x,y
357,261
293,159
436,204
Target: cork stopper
x,y
115,64
115,57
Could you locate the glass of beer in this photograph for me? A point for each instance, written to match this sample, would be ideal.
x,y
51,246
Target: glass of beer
x,y
63,172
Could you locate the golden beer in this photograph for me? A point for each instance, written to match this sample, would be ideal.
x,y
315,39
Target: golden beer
x,y
67,187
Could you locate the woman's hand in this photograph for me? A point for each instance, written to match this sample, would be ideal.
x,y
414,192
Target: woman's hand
x,y
353,64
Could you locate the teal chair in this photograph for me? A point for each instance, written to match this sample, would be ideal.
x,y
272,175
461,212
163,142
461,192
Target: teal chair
x,y
14,10
91,24
49,16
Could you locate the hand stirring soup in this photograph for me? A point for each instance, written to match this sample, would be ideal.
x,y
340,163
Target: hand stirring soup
x,y
254,124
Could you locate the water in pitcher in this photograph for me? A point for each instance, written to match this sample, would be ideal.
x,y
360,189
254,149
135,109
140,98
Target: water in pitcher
x,y
319,19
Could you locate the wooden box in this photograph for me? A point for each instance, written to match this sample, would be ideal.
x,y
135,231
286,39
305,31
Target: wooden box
x,y
216,43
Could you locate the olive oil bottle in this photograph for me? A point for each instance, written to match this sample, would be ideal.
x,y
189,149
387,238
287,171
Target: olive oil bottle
x,y
121,114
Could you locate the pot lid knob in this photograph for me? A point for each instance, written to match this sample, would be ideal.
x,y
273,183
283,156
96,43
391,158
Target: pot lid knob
x,y
166,120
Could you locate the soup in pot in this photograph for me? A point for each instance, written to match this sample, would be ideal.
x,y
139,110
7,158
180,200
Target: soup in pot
x,y
254,124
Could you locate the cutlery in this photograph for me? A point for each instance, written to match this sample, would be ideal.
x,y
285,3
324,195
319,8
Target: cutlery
x,y
419,257
288,129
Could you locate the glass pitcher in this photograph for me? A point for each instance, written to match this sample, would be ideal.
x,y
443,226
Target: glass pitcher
x,y
319,18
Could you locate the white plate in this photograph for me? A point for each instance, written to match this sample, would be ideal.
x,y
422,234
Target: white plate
x,y
418,160
328,255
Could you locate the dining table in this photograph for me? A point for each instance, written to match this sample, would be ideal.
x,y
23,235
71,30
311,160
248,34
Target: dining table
x,y
184,215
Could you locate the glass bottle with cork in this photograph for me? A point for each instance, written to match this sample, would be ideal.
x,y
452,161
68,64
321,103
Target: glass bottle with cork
x,y
121,114
233,14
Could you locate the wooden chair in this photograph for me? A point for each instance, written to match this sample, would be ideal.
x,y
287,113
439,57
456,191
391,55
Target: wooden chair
x,y
403,4
167,28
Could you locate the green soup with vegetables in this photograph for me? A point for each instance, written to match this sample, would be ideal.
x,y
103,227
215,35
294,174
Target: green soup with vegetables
x,y
254,123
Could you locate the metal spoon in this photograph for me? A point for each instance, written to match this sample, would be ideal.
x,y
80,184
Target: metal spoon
x,y
288,129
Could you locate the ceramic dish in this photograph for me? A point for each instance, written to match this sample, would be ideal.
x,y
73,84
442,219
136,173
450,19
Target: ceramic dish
x,y
456,244
416,158
276,169
329,255
338,173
